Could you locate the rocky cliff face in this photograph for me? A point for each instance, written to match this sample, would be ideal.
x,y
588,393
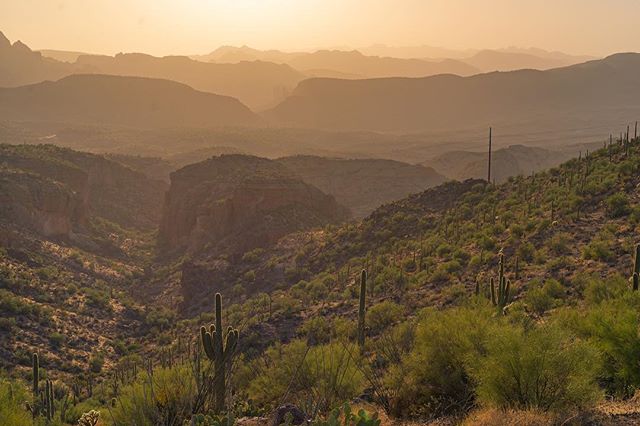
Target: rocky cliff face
x,y
234,203
99,187
40,204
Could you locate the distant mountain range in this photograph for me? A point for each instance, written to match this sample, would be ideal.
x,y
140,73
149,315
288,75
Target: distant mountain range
x,y
257,84
599,90
346,64
122,101
384,61
19,65
262,79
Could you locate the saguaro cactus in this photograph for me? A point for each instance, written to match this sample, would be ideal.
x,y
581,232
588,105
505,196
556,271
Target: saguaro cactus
x,y
35,364
636,268
35,375
500,295
219,349
48,399
363,308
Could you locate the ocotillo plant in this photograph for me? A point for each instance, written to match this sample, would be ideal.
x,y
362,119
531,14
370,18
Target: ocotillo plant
x,y
362,309
219,349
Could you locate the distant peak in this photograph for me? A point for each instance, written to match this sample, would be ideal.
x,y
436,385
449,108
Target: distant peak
x,y
18,45
4,41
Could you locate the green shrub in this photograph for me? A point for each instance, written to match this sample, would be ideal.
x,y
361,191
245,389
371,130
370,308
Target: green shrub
x,y
96,362
612,326
316,329
544,368
541,298
315,378
56,339
165,398
618,205
598,249
13,397
597,290
433,379
526,251
382,315
559,244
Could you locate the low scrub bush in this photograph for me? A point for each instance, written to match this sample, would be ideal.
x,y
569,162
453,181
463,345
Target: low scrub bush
x,y
544,368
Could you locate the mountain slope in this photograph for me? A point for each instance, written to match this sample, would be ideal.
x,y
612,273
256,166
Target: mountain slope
x,y
75,229
125,101
362,185
602,91
506,162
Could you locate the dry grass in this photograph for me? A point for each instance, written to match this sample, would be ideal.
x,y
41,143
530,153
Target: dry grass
x,y
492,417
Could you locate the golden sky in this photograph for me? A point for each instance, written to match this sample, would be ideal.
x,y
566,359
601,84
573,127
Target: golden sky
x,y
198,26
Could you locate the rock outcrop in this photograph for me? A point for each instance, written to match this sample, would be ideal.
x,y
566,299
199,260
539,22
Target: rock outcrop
x,y
98,186
45,206
235,203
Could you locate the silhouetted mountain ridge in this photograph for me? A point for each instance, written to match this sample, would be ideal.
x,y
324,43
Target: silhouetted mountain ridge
x,y
125,101
594,90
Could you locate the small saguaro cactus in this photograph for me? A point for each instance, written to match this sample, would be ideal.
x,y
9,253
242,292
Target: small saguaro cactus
x,y
48,399
636,268
500,295
219,349
35,364
35,375
362,309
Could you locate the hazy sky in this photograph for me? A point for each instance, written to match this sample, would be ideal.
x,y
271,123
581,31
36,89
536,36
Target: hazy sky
x,y
198,26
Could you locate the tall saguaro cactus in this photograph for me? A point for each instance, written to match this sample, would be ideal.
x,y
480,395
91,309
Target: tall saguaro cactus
x,y
500,294
636,268
35,375
363,308
220,349
48,399
489,162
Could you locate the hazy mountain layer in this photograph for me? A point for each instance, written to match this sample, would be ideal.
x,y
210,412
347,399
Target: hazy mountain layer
x,y
125,101
363,185
448,102
257,84
20,66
